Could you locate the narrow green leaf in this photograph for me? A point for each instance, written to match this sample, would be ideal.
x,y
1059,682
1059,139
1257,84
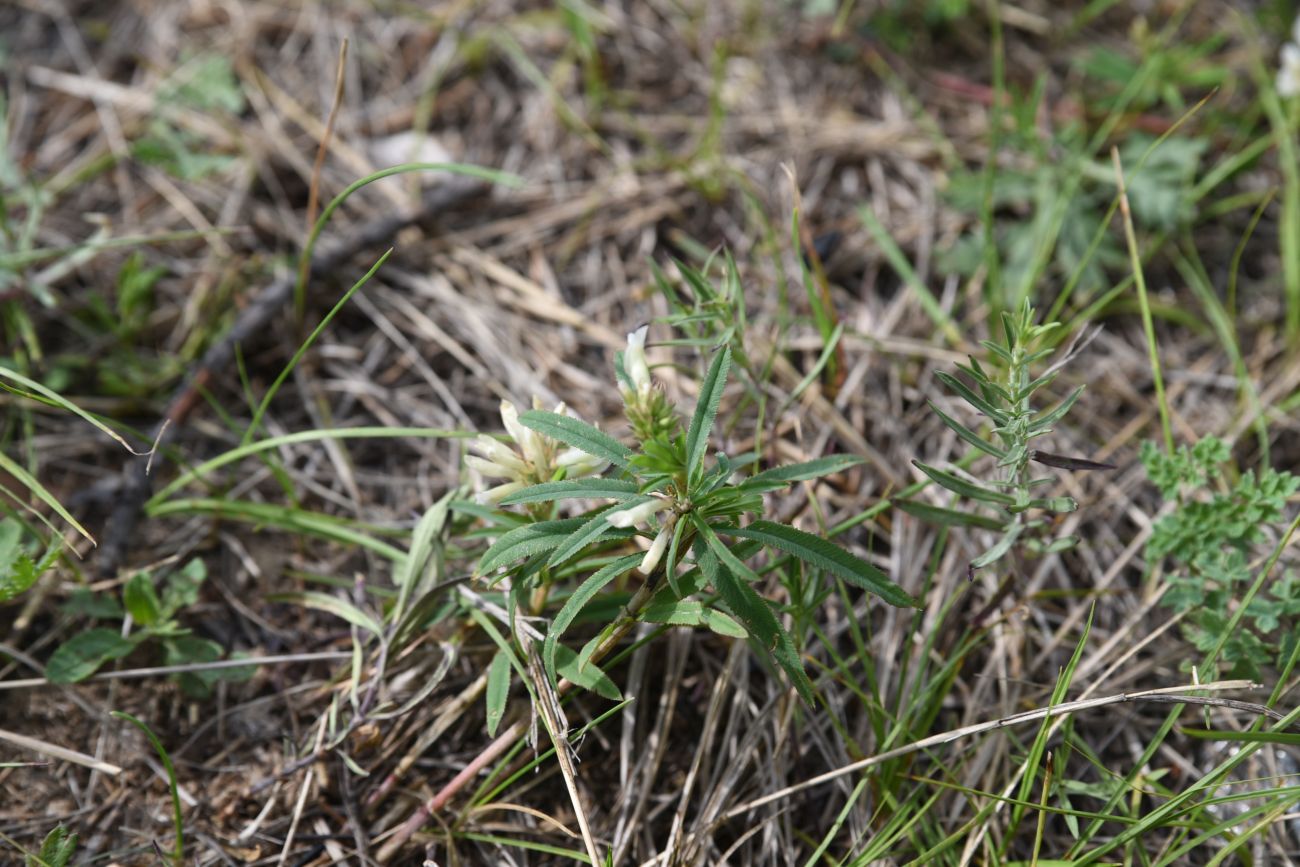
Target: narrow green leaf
x,y
958,485
1065,543
498,690
1054,415
527,540
946,517
967,434
998,551
825,555
574,604
692,612
577,434
779,477
141,600
670,564
787,656
586,674
706,410
744,602
594,530
57,849
753,611
29,481
586,489
331,605
82,655
723,623
971,397
411,570
1050,504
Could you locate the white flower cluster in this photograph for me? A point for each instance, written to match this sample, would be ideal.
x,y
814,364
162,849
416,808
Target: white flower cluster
x,y
1288,74
536,459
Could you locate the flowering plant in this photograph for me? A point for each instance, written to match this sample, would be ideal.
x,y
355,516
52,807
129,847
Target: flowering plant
x,y
667,496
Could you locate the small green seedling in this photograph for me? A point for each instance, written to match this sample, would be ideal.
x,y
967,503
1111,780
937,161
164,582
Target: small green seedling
x,y
155,619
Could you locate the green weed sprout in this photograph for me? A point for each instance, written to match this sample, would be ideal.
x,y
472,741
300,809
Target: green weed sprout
x,y
698,515
155,619
1005,398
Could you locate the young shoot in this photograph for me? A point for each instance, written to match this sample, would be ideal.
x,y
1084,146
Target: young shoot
x,y
1004,395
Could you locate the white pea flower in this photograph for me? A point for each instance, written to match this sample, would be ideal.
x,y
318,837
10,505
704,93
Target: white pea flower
x,y
1288,77
634,361
658,546
492,496
577,463
534,460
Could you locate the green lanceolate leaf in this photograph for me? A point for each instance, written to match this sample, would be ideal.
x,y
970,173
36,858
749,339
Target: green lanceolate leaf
x,y
779,477
585,674
141,600
331,605
1050,504
592,531
498,690
527,540
692,612
577,434
972,398
827,556
958,485
56,851
706,410
1054,415
733,581
584,489
947,517
998,551
573,606
83,654
967,434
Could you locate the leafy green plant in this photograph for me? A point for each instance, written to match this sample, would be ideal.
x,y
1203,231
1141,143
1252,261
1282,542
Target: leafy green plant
x,y
205,83
699,516
56,850
155,616
19,567
1209,541
1005,398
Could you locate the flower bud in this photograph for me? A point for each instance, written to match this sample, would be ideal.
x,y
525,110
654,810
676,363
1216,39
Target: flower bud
x,y
657,548
638,514
634,361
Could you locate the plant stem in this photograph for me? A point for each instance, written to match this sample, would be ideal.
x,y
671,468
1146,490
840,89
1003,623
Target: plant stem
x,y
494,750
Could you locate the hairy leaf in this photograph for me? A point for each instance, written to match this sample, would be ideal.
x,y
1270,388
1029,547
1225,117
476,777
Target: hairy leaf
x,y
585,489
706,410
827,556
577,434
527,540
779,477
